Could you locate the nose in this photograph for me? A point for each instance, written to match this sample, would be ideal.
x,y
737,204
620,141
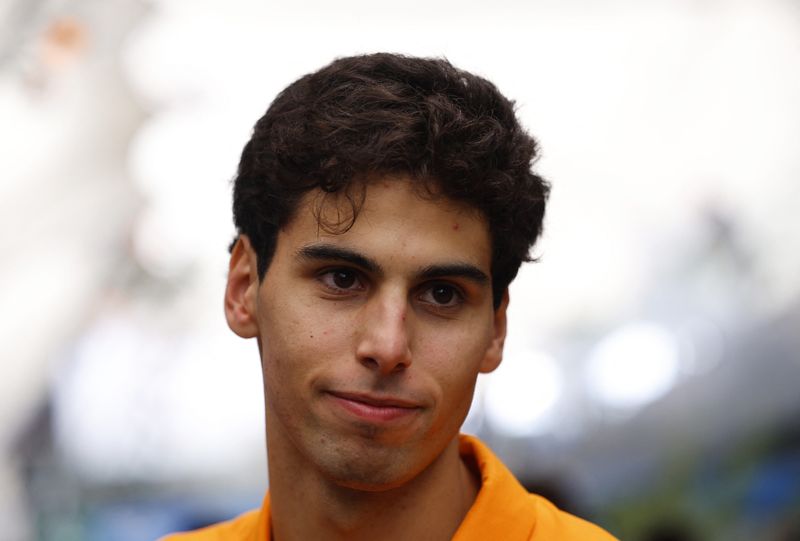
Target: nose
x,y
383,336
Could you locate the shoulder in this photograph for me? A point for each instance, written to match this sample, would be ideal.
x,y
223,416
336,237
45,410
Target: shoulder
x,y
237,528
503,509
555,524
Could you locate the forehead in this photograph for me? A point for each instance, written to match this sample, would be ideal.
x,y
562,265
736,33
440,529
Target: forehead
x,y
394,219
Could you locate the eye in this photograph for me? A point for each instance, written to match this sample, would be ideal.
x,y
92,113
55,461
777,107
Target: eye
x,y
341,279
442,296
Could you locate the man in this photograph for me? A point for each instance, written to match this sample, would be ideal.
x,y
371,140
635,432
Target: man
x,y
383,205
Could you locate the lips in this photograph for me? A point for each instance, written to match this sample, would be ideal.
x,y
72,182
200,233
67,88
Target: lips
x,y
374,408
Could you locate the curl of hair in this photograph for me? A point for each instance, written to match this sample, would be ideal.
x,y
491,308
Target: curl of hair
x,y
385,114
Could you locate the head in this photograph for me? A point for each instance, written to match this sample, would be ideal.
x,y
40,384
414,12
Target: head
x,y
383,204
365,117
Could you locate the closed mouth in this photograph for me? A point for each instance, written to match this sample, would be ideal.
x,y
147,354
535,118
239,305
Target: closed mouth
x,y
377,401
374,409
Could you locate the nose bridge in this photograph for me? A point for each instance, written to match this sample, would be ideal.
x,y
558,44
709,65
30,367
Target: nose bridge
x,y
383,343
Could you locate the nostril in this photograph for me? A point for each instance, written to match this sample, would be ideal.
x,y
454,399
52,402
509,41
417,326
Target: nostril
x,y
400,367
369,362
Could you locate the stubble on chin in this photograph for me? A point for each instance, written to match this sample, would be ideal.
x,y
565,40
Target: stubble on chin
x,y
364,464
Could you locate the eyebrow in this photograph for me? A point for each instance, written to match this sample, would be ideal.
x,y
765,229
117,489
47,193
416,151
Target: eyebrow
x,y
328,252
459,270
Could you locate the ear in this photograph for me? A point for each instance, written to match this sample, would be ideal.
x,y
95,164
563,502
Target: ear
x,y
494,353
241,290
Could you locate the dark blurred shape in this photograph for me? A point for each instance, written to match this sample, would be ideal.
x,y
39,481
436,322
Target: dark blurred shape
x,y
789,531
554,490
670,530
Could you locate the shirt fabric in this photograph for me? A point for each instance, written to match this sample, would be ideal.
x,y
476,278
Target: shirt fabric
x,y
503,510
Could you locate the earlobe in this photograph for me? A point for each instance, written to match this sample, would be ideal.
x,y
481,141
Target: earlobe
x,y
494,353
241,289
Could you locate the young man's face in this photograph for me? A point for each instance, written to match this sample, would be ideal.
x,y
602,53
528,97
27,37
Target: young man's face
x,y
371,339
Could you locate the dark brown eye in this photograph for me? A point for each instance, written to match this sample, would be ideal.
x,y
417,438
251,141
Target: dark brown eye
x,y
442,294
344,279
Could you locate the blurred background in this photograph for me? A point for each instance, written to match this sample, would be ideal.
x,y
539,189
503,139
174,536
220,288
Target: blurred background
x,y
653,362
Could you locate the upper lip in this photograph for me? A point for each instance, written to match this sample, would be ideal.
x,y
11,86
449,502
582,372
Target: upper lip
x,y
376,400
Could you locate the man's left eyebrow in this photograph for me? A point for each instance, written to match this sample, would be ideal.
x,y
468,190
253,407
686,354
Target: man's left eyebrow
x,y
454,270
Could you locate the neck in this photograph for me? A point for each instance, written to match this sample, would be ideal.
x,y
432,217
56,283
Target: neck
x,y
307,505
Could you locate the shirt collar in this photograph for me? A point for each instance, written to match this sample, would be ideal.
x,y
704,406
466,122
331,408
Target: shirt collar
x,y
502,509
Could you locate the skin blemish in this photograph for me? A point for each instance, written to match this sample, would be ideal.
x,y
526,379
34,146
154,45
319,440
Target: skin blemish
x,y
456,226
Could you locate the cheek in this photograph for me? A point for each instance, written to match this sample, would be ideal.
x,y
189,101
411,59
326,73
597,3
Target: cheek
x,y
454,360
301,341
458,348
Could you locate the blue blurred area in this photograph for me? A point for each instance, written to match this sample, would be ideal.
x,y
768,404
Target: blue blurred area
x,y
137,520
148,519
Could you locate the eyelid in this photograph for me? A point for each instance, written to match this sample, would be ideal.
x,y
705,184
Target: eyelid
x,y
458,292
331,270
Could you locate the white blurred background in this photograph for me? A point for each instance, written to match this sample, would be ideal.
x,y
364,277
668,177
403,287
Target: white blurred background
x,y
653,362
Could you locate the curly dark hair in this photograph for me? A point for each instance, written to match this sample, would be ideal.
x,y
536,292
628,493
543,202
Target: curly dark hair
x,y
386,114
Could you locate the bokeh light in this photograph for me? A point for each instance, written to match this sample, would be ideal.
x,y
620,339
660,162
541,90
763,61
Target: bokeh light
x,y
633,366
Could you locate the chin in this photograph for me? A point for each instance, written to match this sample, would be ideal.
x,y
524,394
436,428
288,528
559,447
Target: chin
x,y
368,469
370,480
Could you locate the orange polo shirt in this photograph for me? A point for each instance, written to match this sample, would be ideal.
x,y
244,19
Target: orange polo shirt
x,y
503,510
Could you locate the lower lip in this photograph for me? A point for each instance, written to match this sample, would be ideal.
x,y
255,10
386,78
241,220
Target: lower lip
x,y
369,412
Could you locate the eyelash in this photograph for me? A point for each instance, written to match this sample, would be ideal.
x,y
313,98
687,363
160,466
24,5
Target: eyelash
x,y
327,277
330,273
457,295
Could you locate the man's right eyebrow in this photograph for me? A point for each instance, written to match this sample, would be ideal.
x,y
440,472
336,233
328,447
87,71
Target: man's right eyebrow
x,y
328,252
